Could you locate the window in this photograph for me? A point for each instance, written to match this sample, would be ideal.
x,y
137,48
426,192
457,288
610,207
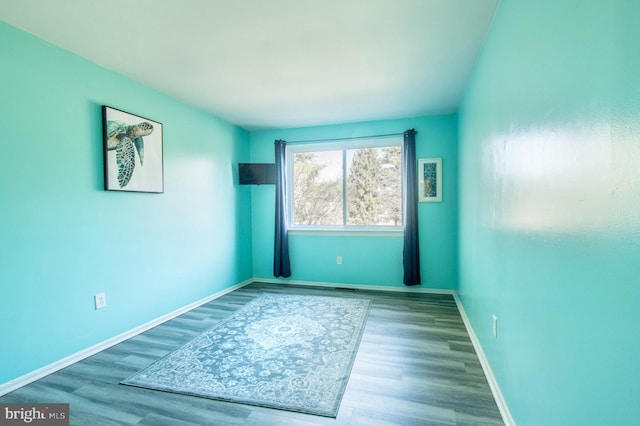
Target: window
x,y
350,185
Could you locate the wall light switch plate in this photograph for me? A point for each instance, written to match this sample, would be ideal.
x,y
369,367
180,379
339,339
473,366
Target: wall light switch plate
x,y
100,300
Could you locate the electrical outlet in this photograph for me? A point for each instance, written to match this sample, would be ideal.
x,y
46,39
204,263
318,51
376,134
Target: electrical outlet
x,y
101,300
495,326
339,260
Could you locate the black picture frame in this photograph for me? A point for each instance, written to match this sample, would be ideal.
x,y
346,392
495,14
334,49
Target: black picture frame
x,y
133,152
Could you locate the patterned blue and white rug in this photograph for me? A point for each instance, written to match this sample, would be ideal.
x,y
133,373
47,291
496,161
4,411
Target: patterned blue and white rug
x,y
280,351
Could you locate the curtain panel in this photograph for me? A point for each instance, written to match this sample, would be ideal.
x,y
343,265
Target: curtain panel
x,y
281,263
411,252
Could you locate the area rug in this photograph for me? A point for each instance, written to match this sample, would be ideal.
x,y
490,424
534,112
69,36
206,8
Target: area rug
x,y
280,351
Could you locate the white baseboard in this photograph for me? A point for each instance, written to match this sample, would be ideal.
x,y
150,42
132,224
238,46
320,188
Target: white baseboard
x,y
79,356
493,384
405,289
65,362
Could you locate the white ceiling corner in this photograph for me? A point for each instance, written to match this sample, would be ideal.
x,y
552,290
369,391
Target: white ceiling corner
x,y
279,63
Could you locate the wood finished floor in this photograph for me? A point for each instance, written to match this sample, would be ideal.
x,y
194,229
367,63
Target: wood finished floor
x,y
415,366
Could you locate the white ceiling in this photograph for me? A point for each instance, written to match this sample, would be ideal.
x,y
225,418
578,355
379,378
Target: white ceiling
x,y
277,63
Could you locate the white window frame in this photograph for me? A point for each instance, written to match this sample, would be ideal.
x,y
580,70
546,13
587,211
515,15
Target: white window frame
x,y
369,230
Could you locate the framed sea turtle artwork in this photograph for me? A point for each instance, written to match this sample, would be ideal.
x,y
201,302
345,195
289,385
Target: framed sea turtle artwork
x,y
430,180
132,152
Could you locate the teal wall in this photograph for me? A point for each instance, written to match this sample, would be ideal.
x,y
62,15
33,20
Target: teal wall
x,y
63,239
370,260
550,209
540,223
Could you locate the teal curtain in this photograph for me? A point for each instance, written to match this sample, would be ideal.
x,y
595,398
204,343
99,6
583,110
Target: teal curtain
x,y
411,252
281,263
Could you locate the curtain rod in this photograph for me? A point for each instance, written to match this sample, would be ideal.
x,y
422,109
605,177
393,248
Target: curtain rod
x,y
344,139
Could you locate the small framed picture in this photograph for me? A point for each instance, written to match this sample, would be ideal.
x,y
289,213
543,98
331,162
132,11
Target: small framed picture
x,y
132,152
430,180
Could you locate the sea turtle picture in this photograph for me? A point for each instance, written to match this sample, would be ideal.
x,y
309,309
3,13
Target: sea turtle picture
x,y
124,135
126,139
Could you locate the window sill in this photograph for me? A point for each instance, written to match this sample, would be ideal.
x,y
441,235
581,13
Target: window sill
x,y
328,232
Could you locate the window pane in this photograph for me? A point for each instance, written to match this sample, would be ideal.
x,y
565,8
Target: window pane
x,y
317,188
374,186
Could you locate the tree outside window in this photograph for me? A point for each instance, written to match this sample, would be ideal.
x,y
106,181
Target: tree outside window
x,y
346,187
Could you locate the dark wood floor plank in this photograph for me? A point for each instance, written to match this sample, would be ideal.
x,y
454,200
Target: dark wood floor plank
x,y
416,365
